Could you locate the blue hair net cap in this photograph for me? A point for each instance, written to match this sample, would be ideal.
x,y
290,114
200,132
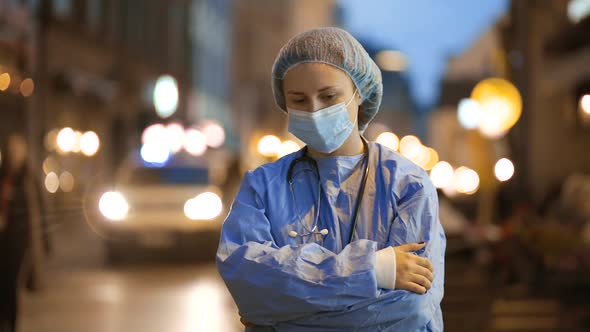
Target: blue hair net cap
x,y
340,49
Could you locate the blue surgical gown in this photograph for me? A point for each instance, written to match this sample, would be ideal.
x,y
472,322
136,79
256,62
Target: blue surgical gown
x,y
324,283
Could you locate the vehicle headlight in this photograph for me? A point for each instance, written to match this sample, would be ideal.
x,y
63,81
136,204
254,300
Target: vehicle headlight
x,y
205,206
113,206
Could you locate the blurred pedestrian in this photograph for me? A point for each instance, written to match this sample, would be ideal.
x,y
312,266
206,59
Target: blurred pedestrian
x,y
344,234
15,227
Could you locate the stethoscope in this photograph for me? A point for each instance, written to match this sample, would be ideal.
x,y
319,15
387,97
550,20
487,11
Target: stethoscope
x,y
313,163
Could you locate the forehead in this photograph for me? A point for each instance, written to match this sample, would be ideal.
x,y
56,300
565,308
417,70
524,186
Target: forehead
x,y
312,76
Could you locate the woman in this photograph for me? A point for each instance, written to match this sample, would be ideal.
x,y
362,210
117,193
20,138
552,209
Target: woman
x,y
344,234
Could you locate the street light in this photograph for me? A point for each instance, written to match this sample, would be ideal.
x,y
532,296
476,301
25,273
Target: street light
x,y
66,181
409,146
500,106
504,169
215,134
66,140
269,146
52,182
165,96
288,147
155,153
442,174
4,81
195,142
89,143
585,104
175,137
389,140
27,86
468,113
466,180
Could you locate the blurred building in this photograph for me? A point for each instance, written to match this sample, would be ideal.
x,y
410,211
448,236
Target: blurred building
x,y
261,27
538,47
96,62
548,47
101,58
212,42
16,61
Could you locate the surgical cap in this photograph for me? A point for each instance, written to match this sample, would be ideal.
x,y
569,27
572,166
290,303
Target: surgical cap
x,y
340,49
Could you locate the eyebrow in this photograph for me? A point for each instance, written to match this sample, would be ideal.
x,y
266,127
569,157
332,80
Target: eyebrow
x,y
291,92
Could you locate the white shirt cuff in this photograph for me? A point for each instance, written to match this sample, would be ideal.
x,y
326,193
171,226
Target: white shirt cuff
x,y
385,268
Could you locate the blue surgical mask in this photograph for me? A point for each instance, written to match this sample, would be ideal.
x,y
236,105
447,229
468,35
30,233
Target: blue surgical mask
x,y
324,130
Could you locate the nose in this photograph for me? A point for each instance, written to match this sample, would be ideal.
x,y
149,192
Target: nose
x,y
316,104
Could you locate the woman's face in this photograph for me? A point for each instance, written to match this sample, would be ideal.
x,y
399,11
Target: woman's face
x,y
312,86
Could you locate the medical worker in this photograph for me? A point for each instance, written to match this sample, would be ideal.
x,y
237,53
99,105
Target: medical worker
x,y
344,234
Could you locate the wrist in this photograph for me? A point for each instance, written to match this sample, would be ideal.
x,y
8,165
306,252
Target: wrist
x,y
385,264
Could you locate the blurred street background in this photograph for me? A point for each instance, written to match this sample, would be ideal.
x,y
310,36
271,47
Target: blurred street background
x,y
126,127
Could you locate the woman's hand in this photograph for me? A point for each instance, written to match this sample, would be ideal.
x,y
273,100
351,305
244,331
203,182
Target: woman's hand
x,y
413,273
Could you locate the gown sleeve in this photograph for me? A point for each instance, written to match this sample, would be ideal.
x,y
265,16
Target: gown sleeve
x,y
416,221
271,284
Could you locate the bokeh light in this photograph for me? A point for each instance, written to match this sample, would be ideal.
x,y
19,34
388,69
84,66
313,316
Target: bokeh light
x,y
466,180
4,81
391,60
51,182
408,141
269,146
215,134
50,165
66,182
389,140
432,160
153,133
27,87
501,106
165,96
195,142
468,113
578,9
175,137
585,103
66,140
450,190
77,138
205,206
156,153
113,206
89,143
288,147
419,156
409,146
504,169
491,122
50,141
442,174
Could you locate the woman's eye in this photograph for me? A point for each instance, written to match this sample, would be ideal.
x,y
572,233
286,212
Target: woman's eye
x,y
329,97
298,101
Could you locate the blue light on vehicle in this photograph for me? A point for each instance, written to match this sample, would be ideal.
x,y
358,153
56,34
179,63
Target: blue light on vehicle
x,y
155,154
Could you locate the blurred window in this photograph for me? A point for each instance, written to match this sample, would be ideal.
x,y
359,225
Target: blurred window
x,y
62,8
94,13
33,4
174,176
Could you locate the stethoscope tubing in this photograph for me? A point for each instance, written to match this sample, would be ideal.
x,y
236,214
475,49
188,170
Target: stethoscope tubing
x,y
290,175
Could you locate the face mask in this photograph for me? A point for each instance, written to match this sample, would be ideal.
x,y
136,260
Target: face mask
x,y
324,130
